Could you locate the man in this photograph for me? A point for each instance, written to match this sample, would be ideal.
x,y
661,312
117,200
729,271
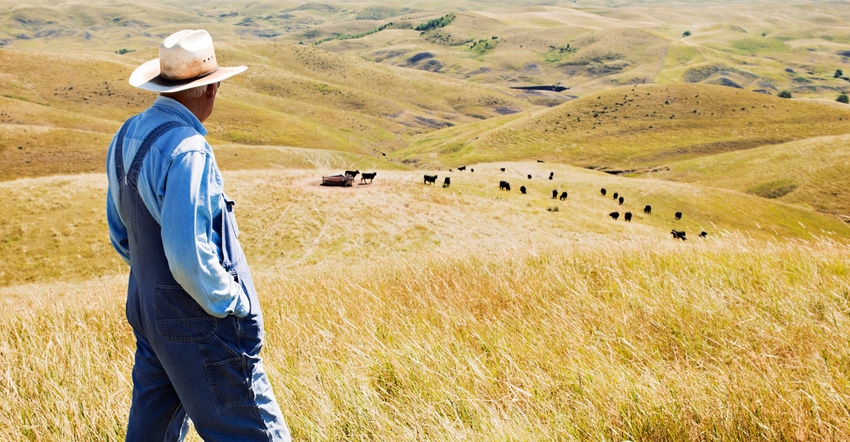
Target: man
x,y
190,300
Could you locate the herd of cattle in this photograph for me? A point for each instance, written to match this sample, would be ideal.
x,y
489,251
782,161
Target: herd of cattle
x,y
506,186
627,216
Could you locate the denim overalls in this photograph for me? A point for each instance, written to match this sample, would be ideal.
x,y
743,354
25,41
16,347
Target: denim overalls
x,y
188,364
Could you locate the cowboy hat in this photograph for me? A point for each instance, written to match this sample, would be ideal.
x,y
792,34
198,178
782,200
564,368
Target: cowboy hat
x,y
186,60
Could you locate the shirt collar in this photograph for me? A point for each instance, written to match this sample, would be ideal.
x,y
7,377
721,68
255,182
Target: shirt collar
x,y
176,108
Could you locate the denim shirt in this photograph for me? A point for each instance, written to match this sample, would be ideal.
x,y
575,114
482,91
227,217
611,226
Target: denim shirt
x,y
182,187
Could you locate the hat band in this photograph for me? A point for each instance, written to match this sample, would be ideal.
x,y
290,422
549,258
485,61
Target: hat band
x,y
169,82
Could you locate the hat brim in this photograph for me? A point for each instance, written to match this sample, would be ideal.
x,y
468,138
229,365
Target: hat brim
x,y
147,77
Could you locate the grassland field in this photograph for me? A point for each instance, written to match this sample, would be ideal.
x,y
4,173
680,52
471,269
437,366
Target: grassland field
x,y
399,310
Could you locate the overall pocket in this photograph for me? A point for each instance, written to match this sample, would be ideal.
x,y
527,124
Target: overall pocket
x,y
178,317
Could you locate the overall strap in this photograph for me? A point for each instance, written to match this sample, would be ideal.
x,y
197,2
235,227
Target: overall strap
x,y
136,165
119,150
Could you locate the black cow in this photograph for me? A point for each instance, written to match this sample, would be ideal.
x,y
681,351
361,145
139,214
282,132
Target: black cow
x,y
504,185
522,190
367,176
614,215
703,234
430,179
502,169
352,173
627,216
678,215
563,196
447,181
554,193
603,191
461,168
678,234
551,175
621,200
529,176
616,195
647,209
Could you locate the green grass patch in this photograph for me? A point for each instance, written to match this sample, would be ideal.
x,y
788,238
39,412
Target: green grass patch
x,y
774,189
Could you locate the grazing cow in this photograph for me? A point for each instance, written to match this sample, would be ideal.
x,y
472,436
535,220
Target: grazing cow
x,y
678,234
471,170
614,215
563,196
551,175
554,193
522,190
502,169
447,181
703,234
352,173
627,216
367,176
678,215
504,185
529,176
461,168
603,191
430,179
647,209
616,195
621,200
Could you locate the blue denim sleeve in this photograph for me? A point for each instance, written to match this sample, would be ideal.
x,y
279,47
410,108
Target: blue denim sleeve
x,y
117,231
189,206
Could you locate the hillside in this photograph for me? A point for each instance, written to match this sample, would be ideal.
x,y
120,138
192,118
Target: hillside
x,y
642,127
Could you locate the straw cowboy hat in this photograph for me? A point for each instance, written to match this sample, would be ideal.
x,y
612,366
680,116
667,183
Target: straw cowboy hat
x,y
186,60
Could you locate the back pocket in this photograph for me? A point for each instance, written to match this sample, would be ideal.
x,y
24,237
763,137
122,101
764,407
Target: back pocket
x,y
178,317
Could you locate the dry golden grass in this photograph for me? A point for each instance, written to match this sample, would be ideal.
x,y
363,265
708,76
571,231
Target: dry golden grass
x,y
731,339
402,311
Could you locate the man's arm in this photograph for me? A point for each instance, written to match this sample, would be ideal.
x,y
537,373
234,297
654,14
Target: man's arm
x,y
188,206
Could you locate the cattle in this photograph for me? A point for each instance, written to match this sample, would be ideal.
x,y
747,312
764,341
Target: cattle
x,y
522,190
603,191
554,193
647,209
461,168
678,215
614,215
551,175
352,173
621,200
703,234
627,216
529,176
504,185
678,234
563,196
471,170
447,181
616,195
502,169
367,176
430,179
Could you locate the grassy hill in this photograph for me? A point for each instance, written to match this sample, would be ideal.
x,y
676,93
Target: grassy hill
x,y
401,310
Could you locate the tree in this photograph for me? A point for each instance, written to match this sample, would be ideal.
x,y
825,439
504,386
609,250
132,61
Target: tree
x,y
838,73
785,94
843,99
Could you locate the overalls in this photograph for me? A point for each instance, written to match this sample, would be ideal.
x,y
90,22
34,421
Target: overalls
x,y
188,364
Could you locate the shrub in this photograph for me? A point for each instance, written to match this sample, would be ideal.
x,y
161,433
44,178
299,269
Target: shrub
x,y
773,189
838,73
785,94
686,34
843,99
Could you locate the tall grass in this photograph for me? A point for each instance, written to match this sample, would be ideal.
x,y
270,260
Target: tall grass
x,y
723,340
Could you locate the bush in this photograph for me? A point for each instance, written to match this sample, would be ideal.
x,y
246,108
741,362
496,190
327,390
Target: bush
x,y
838,73
785,94
843,99
686,34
